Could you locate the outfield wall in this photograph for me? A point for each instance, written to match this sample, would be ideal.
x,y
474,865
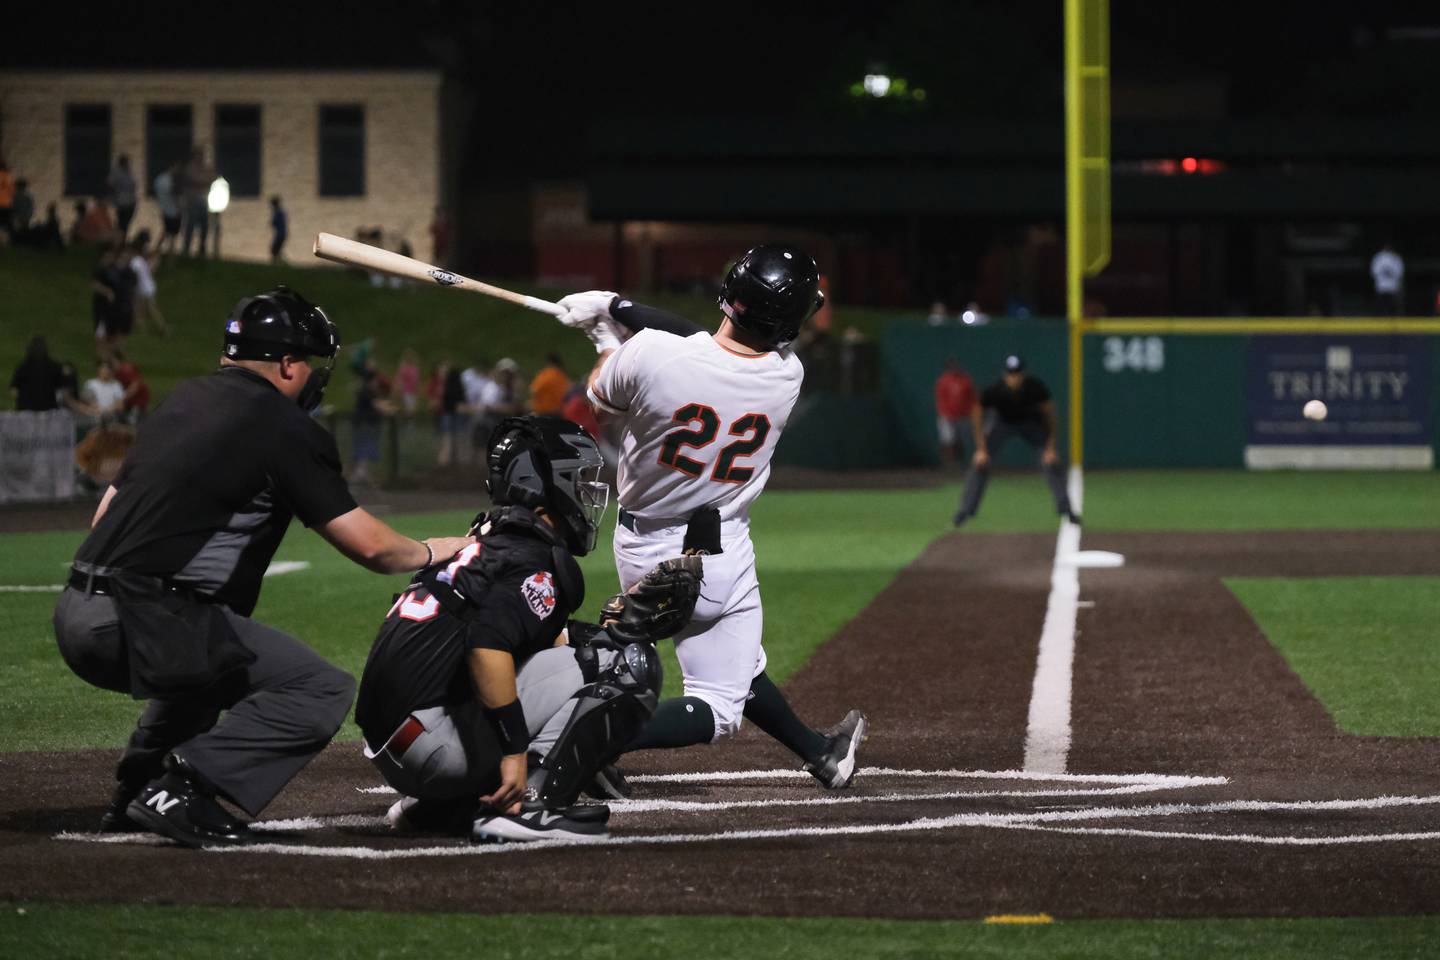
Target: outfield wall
x,y
1151,399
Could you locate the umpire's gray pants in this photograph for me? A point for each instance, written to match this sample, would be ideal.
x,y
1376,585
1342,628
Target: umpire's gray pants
x,y
280,711
997,434
456,756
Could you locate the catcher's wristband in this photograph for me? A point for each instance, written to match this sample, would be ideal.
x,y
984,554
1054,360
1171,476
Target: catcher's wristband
x,y
508,722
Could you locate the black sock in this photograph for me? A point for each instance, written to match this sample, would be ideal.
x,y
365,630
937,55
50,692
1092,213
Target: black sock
x,y
681,722
768,709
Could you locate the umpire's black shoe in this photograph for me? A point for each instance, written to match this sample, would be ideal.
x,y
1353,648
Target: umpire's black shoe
x,y
582,822
115,819
609,784
174,806
835,767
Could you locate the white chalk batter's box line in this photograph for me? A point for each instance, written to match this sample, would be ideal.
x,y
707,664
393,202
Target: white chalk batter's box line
x,y
1073,821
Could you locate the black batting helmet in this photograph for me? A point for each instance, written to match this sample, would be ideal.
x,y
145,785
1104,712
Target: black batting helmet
x,y
554,463
771,291
280,323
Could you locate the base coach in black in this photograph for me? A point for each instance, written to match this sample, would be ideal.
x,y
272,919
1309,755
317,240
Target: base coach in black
x,y
160,594
1016,404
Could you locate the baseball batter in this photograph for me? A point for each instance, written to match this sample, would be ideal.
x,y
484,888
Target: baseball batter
x,y
699,418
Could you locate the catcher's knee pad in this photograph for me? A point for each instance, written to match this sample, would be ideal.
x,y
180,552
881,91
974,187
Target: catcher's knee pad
x,y
610,712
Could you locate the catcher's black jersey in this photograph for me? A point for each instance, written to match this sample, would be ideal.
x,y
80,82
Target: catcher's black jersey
x,y
512,590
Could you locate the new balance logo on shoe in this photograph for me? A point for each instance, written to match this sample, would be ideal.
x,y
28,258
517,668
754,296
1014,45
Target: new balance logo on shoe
x,y
162,801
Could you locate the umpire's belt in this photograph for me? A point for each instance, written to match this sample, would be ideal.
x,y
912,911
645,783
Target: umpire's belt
x,y
100,584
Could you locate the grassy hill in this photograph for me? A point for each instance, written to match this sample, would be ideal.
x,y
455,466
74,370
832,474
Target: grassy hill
x,y
50,294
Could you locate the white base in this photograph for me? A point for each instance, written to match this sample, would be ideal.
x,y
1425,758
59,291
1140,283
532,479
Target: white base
x,y
1094,558
1327,457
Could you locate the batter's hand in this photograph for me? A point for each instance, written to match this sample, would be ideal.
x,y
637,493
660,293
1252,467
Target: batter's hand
x,y
512,784
981,460
584,310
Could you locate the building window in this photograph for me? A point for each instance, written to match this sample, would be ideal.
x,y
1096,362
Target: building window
x,y
87,148
169,133
237,148
342,151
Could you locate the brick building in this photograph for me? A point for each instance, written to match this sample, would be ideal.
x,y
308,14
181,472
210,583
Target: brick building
x,y
345,149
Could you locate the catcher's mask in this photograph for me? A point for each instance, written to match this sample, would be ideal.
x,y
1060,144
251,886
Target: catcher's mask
x,y
280,323
550,462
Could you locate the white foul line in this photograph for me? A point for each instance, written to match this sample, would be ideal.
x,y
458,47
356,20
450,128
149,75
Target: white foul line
x,y
1047,733
276,569
26,588
280,567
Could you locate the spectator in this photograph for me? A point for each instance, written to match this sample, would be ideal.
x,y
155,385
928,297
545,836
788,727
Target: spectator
x,y
476,384
195,181
548,389
121,184
47,235
407,382
94,223
137,391
500,399
104,394
370,404
69,393
279,229
439,238
954,399
112,304
447,401
23,210
938,316
7,201
169,204
142,266
36,382
1387,269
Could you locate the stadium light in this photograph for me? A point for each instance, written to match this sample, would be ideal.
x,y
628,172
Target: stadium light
x,y
877,84
219,197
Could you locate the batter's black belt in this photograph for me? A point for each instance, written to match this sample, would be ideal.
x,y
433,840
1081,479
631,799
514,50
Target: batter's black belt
x,y
628,520
100,585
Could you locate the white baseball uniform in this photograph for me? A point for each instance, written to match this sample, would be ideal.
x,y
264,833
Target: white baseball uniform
x,y
699,425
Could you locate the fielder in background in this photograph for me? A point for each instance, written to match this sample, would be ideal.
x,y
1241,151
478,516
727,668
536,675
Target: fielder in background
x,y
1016,404
700,416
472,705
159,598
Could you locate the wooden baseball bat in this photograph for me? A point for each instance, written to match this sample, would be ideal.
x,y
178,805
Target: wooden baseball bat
x,y
340,250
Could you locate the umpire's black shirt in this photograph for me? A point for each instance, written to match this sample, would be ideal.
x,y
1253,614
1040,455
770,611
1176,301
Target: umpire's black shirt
x,y
512,590
1019,406
207,492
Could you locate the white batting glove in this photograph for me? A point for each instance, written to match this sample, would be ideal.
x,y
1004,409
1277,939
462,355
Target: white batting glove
x,y
584,310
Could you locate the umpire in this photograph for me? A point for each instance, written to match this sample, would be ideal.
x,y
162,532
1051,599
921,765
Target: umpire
x,y
159,598
1017,403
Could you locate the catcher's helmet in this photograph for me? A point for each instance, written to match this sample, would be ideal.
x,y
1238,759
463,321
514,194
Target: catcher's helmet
x,y
280,323
553,463
771,291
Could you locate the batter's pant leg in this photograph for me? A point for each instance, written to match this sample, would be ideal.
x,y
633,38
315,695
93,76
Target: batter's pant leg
x,y
291,703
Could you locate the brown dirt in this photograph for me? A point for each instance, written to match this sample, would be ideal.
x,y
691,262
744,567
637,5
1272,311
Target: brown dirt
x,y
1172,676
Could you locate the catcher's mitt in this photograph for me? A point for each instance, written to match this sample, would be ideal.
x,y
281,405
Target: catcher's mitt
x,y
658,606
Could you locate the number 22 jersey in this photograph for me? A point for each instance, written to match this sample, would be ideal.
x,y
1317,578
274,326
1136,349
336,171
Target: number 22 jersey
x,y
699,421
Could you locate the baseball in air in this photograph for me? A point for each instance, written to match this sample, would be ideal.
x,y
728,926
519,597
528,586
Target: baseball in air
x,y
1315,410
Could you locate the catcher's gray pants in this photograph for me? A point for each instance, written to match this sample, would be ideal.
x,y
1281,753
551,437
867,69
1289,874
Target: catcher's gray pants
x,y
280,711
457,755
997,433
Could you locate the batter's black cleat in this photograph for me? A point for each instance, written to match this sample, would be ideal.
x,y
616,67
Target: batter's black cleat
x,y
584,822
835,768
115,819
609,784
174,806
